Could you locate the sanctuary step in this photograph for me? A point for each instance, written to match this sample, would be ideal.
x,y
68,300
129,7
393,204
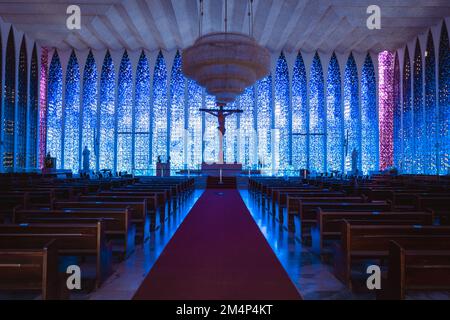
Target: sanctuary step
x,y
227,183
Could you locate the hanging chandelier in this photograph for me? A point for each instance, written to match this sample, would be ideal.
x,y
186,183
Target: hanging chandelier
x,y
226,63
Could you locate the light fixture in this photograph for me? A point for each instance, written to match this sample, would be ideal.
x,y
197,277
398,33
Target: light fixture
x,y
226,63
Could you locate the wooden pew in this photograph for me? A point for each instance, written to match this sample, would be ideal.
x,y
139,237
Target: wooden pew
x,y
117,224
81,240
329,222
26,265
360,242
138,211
418,265
440,205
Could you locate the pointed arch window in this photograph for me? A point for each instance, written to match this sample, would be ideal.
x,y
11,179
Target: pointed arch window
x,y
369,118
335,132
71,135
317,125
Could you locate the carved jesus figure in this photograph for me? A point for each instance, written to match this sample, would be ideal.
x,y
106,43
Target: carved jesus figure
x,y
221,114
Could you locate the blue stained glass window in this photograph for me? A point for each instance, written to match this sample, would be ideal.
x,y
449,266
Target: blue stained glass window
x,y
418,113
34,109
247,128
22,107
177,88
397,127
431,115
408,138
194,138
335,124
142,116
281,114
125,116
352,117
54,109
444,101
264,122
159,112
369,118
107,113
211,134
317,117
9,104
90,125
72,116
230,141
300,116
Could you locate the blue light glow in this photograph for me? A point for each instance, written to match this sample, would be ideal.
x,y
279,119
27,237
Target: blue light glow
x,y
369,118
54,109
90,116
352,116
142,116
177,88
72,116
317,117
107,113
335,124
159,112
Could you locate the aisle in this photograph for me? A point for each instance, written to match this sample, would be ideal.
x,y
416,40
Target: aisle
x,y
218,252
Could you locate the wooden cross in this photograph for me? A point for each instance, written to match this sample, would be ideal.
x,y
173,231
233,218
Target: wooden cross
x,y
221,114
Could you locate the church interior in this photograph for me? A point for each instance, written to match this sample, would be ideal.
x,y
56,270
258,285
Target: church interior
x,y
224,150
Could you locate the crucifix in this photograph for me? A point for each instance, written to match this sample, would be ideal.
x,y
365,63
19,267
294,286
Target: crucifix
x,y
221,114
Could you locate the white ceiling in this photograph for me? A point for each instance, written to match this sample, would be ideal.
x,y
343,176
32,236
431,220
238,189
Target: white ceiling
x,y
288,25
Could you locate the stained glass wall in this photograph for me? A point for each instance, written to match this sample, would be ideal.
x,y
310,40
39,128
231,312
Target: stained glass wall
x,y
34,111
125,116
210,133
107,114
54,110
264,122
159,112
397,114
194,141
317,116
282,114
247,130
71,137
9,102
142,117
89,132
418,112
335,124
230,141
444,101
43,106
431,114
177,125
300,115
352,116
407,117
386,110
369,118
22,108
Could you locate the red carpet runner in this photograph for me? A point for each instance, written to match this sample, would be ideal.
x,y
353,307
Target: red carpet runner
x,y
218,253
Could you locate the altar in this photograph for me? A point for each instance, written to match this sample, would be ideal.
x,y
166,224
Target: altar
x,y
228,169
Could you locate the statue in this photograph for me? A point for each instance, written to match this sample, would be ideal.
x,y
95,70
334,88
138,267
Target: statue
x,y
86,154
354,162
221,114
48,161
